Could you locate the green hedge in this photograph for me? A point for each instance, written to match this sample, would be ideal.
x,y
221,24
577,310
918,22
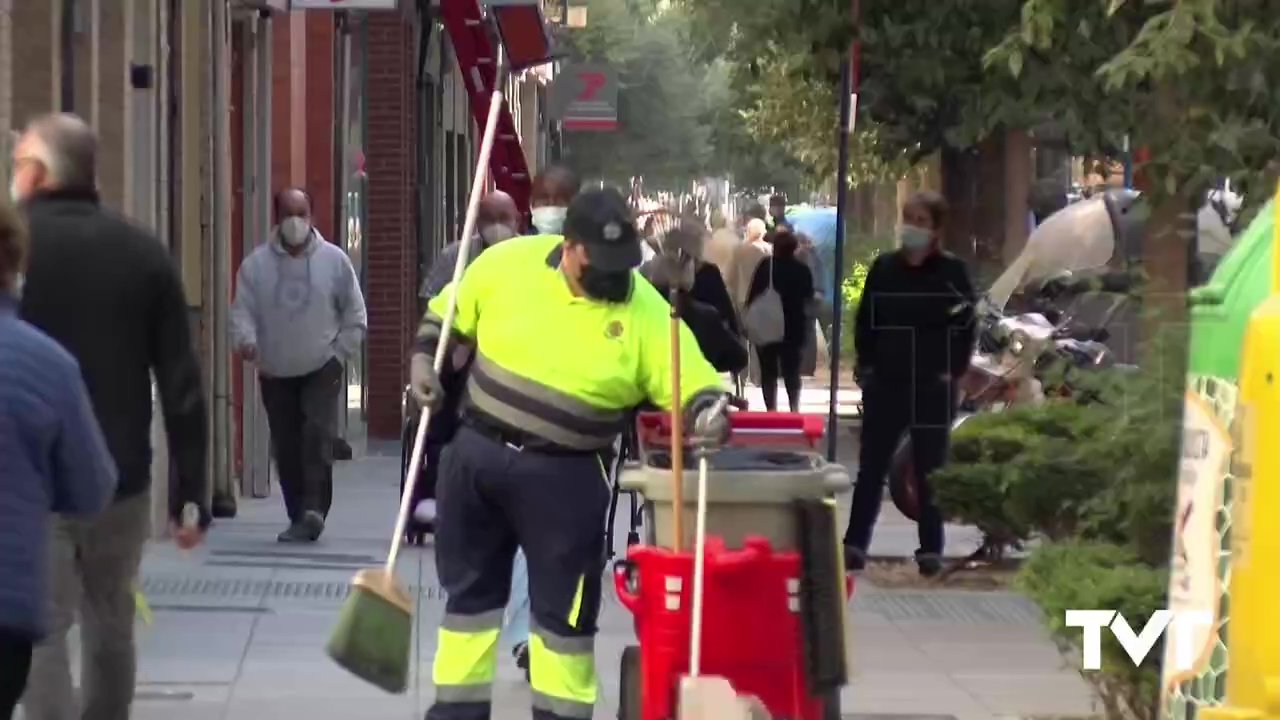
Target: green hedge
x,y
1096,486
1082,575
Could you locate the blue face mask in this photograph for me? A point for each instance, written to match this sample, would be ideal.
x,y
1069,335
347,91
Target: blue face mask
x,y
915,238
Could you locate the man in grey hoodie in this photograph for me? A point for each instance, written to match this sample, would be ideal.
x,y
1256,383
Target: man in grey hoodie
x,y
299,315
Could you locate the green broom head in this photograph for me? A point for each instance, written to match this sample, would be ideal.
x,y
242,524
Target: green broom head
x,y
374,631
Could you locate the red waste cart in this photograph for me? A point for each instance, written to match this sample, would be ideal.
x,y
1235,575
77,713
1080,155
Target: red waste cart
x,y
753,633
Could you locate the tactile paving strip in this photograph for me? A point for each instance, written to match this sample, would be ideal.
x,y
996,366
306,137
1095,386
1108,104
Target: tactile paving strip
x,y
233,589
891,716
969,608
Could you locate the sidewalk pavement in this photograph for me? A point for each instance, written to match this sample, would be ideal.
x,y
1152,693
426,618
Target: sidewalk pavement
x,y
815,398
240,624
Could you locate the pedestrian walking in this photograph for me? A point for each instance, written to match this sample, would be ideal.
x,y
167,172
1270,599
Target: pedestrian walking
x,y
561,354
720,248
778,212
807,253
298,315
107,291
705,306
746,258
553,191
53,457
497,220
913,339
785,274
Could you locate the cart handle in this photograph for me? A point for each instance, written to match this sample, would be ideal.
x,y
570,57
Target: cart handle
x,y
624,584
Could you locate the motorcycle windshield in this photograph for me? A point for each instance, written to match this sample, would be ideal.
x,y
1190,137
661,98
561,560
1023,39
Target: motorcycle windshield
x,y
1078,238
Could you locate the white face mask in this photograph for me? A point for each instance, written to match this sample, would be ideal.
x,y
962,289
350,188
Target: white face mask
x,y
295,231
496,233
549,219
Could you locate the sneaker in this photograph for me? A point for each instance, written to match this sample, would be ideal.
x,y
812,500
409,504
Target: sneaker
x,y
930,565
521,654
313,524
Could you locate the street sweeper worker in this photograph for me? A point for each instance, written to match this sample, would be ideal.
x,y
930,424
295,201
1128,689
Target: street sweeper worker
x,y
561,356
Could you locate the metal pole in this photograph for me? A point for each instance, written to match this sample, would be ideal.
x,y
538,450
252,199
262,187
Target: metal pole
x,y
222,484
1128,164
847,84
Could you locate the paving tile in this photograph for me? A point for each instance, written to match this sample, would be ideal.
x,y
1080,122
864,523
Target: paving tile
x,y
926,631
1012,660
1060,693
907,696
253,651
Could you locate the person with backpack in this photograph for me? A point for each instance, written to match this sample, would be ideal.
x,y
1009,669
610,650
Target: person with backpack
x,y
777,318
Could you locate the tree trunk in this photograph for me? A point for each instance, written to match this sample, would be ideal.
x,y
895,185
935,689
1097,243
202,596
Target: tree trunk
x,y
959,180
1165,248
1018,171
1165,254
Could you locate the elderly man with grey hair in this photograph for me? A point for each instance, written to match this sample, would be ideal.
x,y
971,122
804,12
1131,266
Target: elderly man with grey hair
x,y
108,292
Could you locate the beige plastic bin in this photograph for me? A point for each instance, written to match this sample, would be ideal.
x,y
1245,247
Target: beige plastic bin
x,y
739,502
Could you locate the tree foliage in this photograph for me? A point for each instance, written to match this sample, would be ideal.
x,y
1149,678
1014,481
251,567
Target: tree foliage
x,y
678,117
1188,78
659,132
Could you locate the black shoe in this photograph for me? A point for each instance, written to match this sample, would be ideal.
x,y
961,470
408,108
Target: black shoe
x,y
313,524
930,565
295,533
223,507
341,449
855,560
521,654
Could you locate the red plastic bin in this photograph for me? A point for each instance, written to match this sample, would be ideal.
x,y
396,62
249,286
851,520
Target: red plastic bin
x,y
751,632
775,429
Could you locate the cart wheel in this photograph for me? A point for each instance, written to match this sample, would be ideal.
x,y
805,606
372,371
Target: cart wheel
x,y
629,701
831,705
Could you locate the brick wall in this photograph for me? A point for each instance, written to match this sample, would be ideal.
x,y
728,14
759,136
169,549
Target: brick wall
x,y
390,235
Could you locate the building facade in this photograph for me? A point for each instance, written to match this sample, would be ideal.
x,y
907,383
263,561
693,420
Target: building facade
x,y
206,109
421,153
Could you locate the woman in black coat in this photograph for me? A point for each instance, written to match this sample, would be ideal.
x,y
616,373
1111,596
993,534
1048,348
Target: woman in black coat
x,y
706,307
793,281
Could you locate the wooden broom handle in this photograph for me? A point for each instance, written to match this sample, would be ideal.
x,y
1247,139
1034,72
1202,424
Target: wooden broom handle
x,y
677,431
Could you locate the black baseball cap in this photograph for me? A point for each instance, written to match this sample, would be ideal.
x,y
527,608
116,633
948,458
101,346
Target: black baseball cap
x,y
601,221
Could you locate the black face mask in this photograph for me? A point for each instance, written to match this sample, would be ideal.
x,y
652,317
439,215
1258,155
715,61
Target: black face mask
x,y
610,287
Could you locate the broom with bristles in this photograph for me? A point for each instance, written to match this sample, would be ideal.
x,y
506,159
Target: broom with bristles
x,y
375,625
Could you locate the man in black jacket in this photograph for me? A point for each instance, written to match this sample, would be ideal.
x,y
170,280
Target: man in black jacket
x,y
914,337
108,292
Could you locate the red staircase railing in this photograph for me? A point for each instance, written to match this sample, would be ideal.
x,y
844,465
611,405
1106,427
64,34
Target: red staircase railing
x,y
477,57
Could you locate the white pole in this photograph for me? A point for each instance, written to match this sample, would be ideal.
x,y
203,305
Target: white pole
x,y
478,181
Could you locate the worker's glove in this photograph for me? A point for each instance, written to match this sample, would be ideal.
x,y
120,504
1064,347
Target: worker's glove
x,y
706,420
424,382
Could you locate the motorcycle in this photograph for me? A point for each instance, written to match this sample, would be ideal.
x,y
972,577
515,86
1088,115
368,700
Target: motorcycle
x,y
1068,262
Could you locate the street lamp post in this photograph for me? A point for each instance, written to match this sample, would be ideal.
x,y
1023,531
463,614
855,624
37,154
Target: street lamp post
x,y
848,96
